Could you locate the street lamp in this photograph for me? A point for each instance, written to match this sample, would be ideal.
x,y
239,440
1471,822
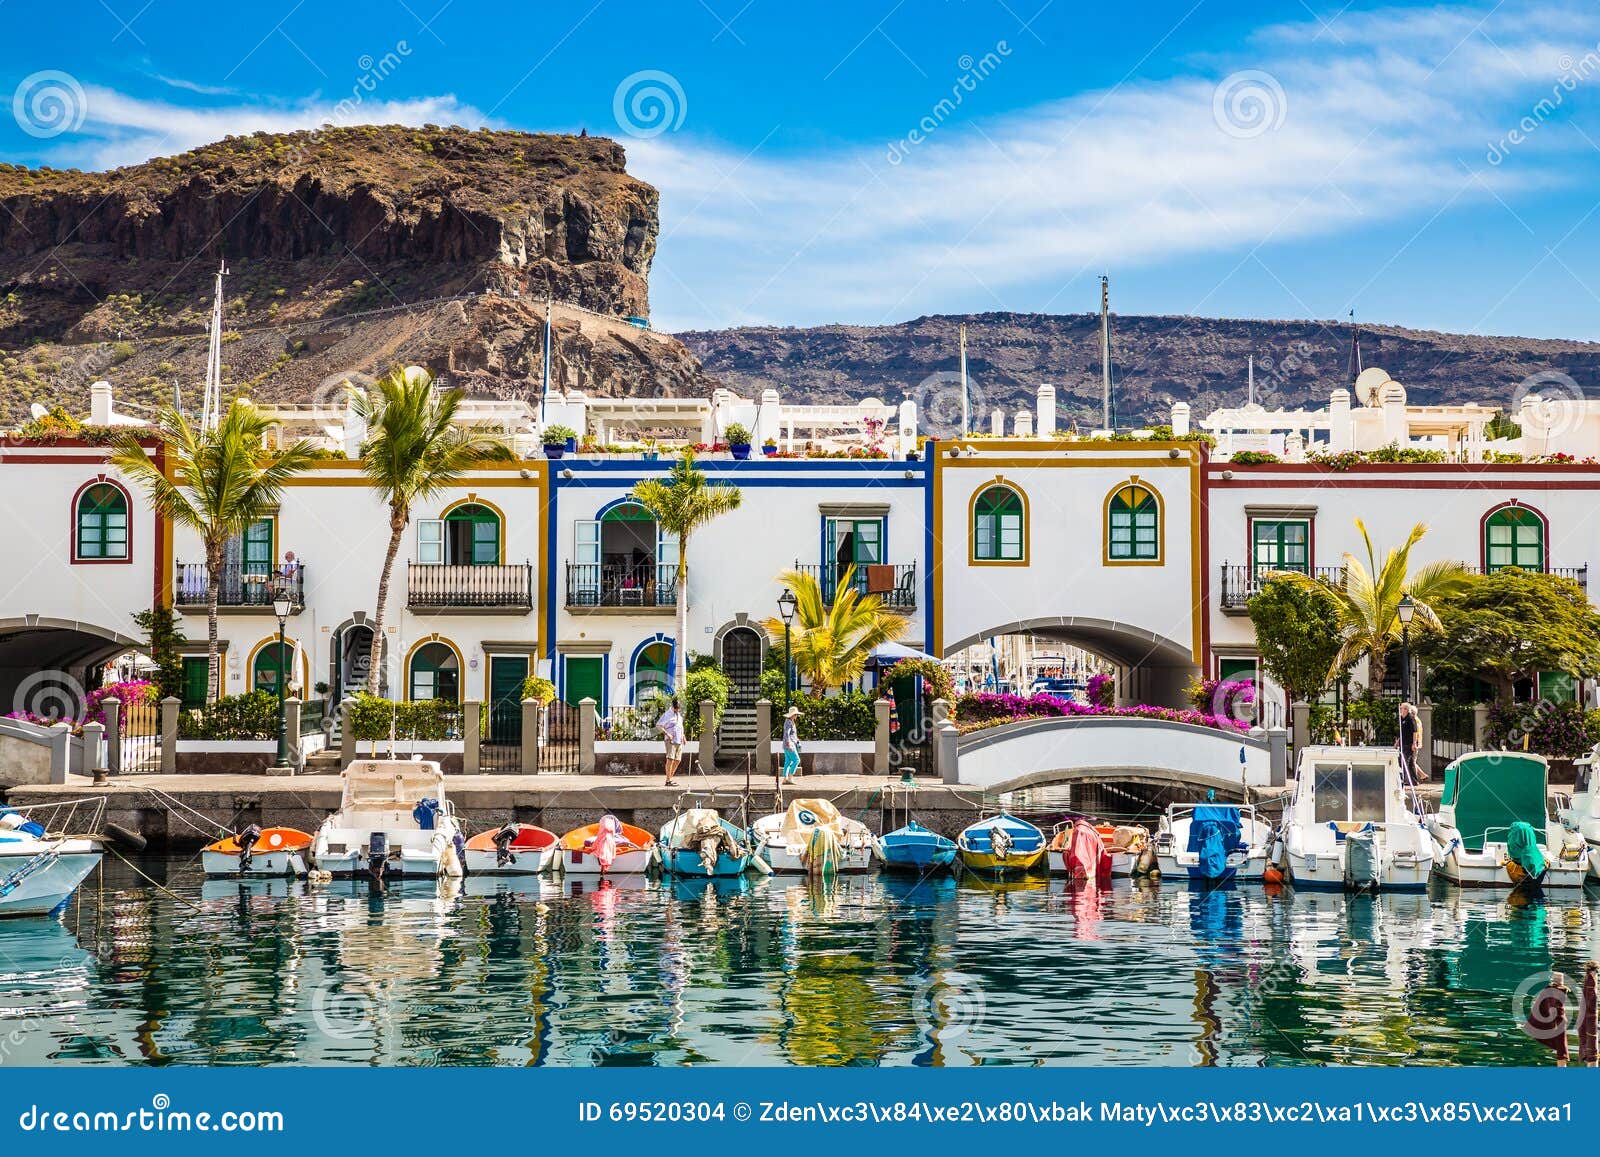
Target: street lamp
x,y
1406,609
786,607
282,604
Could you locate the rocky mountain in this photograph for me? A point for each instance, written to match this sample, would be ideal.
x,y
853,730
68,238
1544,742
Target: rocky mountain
x,y
349,250
1156,360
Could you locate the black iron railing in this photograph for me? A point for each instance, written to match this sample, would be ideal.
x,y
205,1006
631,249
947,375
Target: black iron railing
x,y
1241,583
895,584
453,587
238,585
593,584
1578,574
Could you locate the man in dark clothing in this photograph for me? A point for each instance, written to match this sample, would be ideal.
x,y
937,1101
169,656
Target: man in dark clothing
x,y
1410,742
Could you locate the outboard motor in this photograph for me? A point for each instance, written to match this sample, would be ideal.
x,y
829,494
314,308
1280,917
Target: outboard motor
x,y
247,841
1361,866
1000,841
503,840
377,853
426,811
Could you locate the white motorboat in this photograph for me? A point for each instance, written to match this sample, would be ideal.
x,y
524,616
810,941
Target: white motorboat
x,y
1213,842
1579,812
1353,823
393,820
46,853
811,836
1493,827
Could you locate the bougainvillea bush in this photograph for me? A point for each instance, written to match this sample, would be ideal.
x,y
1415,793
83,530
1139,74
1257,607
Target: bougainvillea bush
x,y
1102,689
975,712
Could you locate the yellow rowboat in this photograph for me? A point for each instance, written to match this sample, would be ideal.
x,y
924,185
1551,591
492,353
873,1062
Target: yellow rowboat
x,y
1001,846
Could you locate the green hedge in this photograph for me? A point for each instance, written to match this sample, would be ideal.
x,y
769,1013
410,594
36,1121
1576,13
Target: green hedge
x,y
427,719
253,715
850,715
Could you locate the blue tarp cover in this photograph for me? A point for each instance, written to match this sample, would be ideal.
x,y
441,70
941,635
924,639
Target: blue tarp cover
x,y
1214,831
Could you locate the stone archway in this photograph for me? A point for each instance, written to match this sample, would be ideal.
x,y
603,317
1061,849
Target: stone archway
x,y
46,662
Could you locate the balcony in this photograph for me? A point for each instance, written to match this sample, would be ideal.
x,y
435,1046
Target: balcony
x,y
240,590
1578,574
896,585
1241,583
456,589
621,586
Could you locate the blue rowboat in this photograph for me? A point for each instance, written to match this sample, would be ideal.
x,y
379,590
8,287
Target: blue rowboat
x,y
688,841
1000,846
914,848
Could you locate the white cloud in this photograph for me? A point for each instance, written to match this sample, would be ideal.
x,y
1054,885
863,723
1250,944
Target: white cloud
x,y
121,130
1386,116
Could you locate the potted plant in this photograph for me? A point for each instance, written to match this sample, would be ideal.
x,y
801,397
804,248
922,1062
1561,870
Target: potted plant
x,y
769,447
738,441
557,439
651,452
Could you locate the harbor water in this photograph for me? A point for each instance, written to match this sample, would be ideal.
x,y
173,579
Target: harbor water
x,y
863,971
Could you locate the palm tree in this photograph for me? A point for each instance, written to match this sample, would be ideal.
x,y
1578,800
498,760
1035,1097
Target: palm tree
x,y
412,451
682,504
835,641
215,483
1369,599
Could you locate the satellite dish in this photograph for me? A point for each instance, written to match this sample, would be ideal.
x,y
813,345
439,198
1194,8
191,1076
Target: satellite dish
x,y
38,411
1369,386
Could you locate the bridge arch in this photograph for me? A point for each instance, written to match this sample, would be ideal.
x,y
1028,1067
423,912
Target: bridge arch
x,y
45,661
1151,668
1085,748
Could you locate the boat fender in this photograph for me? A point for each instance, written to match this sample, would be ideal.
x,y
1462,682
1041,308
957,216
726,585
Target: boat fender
x,y
460,844
1271,874
759,863
124,838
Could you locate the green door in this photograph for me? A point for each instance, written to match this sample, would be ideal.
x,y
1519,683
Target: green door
x,y
507,673
585,679
196,674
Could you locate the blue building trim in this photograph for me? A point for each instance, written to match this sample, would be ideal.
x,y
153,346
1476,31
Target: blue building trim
x,y
633,661
929,449
556,588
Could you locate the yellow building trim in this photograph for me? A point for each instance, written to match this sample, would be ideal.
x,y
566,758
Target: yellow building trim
x,y
472,499
249,674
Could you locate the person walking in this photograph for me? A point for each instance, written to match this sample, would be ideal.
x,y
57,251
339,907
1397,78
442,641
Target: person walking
x,y
791,743
671,727
1410,743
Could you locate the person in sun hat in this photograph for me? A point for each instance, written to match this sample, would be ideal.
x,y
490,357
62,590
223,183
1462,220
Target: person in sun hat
x,y
791,743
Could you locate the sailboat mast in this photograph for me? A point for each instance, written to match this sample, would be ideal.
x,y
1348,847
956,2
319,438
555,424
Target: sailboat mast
x,y
1105,353
1250,387
211,407
966,416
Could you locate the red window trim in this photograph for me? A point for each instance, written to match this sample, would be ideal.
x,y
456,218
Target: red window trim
x,y
72,518
1514,504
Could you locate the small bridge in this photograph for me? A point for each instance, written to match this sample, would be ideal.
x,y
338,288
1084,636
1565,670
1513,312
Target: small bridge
x,y
1120,749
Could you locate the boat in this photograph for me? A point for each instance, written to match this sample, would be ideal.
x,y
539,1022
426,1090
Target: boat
x,y
811,837
1000,846
699,842
1213,843
393,820
1579,812
1127,845
607,848
512,849
258,851
1351,826
46,853
1493,827
913,848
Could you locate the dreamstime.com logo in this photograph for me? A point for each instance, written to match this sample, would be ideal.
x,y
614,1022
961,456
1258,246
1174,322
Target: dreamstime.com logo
x,y
1249,104
938,399
340,1011
649,103
1555,404
948,1010
49,103
51,695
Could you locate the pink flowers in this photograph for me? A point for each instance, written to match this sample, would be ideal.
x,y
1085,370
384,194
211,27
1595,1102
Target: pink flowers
x,y
973,712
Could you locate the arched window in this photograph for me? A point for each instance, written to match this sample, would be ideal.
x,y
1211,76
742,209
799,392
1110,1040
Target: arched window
x,y
1513,536
999,525
264,669
102,523
1133,524
652,672
435,673
467,535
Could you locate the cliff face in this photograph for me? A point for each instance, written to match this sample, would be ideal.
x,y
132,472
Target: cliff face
x,y
1157,361
349,250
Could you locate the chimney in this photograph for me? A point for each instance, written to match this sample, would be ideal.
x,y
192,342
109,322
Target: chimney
x,y
100,404
1180,419
1024,424
1047,410
997,423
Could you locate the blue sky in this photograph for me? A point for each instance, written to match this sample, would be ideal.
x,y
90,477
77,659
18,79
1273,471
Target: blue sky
x,y
1428,165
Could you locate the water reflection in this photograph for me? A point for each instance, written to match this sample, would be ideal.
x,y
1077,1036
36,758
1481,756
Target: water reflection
x,y
865,971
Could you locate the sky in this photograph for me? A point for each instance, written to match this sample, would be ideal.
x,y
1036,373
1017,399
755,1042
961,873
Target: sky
x,y
1428,165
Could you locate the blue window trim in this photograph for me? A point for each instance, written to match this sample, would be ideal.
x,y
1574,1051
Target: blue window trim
x,y
633,660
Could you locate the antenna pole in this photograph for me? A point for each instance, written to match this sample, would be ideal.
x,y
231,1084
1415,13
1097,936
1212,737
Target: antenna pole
x,y
544,389
1105,353
211,407
966,416
1250,388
